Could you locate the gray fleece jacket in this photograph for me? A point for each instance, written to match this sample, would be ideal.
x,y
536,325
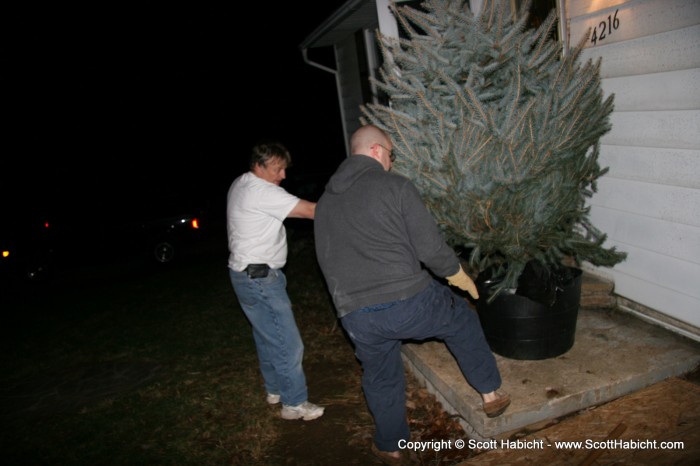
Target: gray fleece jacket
x,y
374,236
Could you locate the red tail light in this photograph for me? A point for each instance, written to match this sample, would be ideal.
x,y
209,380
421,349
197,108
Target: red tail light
x,y
195,223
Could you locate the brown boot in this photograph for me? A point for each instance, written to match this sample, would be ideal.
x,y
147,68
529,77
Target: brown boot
x,y
498,406
386,458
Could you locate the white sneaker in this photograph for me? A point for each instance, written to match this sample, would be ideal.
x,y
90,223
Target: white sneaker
x,y
306,411
272,399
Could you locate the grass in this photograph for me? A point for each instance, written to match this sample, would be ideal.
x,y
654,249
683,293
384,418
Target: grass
x,y
69,358
204,406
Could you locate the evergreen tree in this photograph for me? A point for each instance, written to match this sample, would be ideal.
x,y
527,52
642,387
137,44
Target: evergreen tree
x,y
499,132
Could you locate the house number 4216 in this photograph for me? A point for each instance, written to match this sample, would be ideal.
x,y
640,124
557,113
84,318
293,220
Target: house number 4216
x,y
605,28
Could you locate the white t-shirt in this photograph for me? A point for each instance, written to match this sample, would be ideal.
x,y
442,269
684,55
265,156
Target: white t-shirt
x,y
255,210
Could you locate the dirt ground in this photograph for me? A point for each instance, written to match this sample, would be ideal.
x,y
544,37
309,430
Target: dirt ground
x,y
341,437
344,434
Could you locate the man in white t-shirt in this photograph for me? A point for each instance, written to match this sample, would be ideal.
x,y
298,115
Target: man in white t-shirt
x,y
256,208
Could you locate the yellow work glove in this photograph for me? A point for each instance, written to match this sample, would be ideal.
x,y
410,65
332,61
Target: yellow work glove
x,y
462,281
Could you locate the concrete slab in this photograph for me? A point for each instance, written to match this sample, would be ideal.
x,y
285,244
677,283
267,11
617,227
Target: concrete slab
x,y
614,354
665,433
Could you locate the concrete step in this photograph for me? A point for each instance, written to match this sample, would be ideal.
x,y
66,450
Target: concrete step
x,y
614,354
646,417
597,292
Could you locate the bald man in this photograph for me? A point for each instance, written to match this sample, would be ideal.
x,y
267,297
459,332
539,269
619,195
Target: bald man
x,y
375,243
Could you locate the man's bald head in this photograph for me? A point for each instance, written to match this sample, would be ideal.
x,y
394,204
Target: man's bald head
x,y
372,142
364,138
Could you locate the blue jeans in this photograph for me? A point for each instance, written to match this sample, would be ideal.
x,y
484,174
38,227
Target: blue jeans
x,y
435,312
280,349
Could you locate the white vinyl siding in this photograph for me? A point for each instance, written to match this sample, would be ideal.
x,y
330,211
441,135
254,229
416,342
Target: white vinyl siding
x,y
649,201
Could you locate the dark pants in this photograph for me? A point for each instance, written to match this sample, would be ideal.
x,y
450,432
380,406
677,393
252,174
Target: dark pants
x,y
435,312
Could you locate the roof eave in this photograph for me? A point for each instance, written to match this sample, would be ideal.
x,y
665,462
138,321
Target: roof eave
x,y
346,20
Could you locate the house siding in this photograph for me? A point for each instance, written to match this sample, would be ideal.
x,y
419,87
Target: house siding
x,y
649,201
350,85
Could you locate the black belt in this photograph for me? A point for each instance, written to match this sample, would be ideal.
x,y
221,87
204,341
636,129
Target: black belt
x,y
257,270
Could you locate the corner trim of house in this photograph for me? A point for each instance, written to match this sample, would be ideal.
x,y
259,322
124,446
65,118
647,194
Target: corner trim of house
x,y
657,318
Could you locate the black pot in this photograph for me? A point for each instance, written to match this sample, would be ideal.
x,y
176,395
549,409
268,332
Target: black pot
x,y
518,327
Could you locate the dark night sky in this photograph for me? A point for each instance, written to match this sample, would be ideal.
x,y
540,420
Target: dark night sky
x,y
104,101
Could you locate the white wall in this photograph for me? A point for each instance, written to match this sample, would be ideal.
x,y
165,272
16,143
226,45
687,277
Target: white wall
x,y
649,202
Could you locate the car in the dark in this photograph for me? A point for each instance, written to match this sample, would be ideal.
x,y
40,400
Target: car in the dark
x,y
26,251
158,230
39,252
166,237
